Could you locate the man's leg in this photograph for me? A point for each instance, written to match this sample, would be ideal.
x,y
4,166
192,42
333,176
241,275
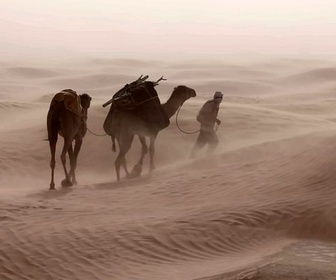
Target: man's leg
x,y
200,143
213,142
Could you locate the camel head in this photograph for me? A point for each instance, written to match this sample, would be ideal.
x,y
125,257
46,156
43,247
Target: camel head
x,y
183,93
85,100
178,97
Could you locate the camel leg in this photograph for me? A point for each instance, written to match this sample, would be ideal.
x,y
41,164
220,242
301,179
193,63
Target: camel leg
x,y
125,141
52,145
52,127
151,153
121,161
124,165
78,145
67,143
71,158
137,169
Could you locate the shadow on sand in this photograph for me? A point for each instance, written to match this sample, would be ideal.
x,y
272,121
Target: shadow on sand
x,y
63,191
125,182
50,194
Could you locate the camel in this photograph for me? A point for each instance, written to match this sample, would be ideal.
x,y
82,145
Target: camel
x,y
144,120
67,117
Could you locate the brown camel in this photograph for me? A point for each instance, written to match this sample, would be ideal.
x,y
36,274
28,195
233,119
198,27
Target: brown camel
x,y
145,119
67,117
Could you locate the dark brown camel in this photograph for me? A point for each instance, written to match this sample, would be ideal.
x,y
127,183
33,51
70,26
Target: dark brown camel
x,y
67,117
145,120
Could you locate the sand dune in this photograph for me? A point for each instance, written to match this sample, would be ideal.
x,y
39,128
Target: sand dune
x,y
31,73
90,81
261,207
312,77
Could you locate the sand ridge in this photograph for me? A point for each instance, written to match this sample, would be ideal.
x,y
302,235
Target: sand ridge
x,y
262,201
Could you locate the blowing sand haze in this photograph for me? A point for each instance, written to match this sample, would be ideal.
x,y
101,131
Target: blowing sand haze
x,y
261,207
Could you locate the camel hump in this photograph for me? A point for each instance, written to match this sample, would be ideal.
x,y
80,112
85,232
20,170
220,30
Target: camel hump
x,y
71,101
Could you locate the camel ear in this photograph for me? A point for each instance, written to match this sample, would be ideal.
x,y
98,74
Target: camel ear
x,y
87,96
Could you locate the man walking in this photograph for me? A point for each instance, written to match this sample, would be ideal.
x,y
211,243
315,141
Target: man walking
x,y
207,116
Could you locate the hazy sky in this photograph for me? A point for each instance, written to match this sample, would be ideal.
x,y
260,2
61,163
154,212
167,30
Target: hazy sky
x,y
127,27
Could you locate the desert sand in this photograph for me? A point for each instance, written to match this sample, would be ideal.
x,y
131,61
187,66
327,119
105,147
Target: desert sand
x,y
261,207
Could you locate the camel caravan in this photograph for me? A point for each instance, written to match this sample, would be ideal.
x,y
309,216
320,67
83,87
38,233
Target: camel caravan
x,y
135,110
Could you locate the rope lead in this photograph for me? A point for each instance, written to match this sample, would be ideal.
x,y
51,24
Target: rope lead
x,y
186,132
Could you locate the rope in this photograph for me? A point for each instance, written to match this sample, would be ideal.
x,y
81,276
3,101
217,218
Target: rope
x,y
178,111
95,134
186,132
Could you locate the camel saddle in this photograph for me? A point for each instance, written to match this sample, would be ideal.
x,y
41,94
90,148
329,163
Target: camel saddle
x,y
71,101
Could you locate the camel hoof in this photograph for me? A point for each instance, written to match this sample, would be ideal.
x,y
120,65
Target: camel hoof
x,y
52,188
132,176
66,183
136,171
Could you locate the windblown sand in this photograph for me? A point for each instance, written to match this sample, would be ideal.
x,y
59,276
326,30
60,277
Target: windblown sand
x,y
261,207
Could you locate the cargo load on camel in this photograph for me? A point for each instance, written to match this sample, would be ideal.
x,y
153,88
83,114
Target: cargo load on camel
x,y
71,101
133,98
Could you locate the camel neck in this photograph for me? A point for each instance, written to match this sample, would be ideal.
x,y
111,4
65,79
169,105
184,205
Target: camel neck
x,y
170,107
